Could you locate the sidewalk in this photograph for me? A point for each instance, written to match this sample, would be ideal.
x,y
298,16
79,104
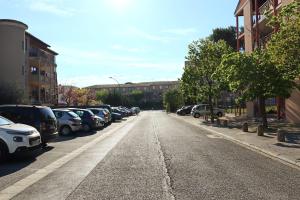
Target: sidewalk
x,y
267,144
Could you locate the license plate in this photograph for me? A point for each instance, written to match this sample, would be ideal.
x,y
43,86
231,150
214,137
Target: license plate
x,y
35,142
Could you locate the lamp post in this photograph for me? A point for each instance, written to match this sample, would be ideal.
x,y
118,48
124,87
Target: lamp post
x,y
118,85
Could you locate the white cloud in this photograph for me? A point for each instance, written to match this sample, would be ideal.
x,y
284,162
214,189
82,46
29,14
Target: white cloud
x,y
76,56
181,31
89,80
52,7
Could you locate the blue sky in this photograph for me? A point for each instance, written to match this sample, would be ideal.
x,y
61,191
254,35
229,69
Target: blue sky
x,y
131,40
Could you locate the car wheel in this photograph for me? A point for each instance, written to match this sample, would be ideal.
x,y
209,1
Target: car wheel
x,y
197,115
65,130
86,128
3,152
219,114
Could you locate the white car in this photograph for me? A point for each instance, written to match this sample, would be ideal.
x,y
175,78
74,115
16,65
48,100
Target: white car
x,y
204,109
15,138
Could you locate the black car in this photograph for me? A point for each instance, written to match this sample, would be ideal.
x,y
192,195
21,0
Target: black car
x,y
121,112
106,106
185,110
116,116
89,119
40,117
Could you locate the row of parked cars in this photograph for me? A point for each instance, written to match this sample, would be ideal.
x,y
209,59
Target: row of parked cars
x,y
26,127
199,110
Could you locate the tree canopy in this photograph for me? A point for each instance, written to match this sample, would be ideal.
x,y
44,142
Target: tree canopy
x,y
227,34
204,57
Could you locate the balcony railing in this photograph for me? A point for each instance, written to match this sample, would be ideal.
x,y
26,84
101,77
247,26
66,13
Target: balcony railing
x,y
263,10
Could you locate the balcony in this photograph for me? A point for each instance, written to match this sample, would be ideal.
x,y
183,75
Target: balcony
x,y
41,55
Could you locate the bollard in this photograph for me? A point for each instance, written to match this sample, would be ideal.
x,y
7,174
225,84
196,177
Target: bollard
x,y
281,135
225,123
245,127
260,130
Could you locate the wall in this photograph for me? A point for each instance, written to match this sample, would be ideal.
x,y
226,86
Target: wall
x,y
12,55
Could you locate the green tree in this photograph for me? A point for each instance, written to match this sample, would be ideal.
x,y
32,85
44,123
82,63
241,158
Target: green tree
x,y
284,45
255,76
227,34
102,96
173,99
189,85
205,57
135,97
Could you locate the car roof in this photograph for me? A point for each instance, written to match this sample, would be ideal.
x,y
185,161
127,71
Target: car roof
x,y
80,109
61,109
23,106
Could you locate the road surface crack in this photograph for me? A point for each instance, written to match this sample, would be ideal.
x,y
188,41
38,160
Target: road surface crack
x,y
167,182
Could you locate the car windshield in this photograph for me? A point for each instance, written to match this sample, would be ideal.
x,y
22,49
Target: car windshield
x,y
4,121
89,112
72,114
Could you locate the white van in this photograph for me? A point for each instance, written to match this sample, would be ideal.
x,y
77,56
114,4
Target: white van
x,y
15,138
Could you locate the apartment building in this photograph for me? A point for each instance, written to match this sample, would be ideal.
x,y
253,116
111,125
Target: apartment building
x,y
251,15
153,90
27,63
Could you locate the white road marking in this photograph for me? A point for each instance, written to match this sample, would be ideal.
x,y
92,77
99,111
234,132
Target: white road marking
x,y
214,136
21,185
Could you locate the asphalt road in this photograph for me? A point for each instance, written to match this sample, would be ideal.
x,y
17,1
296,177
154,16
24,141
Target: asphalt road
x,y
151,156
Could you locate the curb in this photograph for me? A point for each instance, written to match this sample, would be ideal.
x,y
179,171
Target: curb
x,y
249,146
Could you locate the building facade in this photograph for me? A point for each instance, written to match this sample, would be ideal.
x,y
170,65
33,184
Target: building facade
x,y
27,63
255,34
153,91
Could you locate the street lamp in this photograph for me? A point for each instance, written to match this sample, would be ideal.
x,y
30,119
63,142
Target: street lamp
x,y
118,85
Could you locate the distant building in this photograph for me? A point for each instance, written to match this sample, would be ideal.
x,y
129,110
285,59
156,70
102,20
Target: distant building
x,y
153,90
256,34
27,63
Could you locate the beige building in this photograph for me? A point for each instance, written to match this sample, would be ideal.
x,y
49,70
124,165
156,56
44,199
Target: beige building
x,y
153,90
256,34
27,63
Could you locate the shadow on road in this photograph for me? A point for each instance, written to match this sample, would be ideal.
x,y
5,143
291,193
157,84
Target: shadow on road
x,y
19,161
288,145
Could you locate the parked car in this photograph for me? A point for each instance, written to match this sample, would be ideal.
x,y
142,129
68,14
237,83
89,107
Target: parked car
x,y
102,113
67,121
89,120
185,110
109,115
15,138
135,110
127,111
204,109
105,106
119,111
40,117
116,116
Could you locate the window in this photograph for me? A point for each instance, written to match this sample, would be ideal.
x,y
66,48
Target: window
x,y
58,114
33,70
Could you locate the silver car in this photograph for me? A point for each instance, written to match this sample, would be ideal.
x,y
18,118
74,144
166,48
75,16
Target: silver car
x,y
204,109
67,121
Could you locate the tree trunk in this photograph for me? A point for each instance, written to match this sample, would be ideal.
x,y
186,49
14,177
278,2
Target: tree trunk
x,y
262,106
211,109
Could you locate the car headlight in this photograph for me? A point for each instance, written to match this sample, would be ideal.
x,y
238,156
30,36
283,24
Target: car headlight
x,y
21,132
